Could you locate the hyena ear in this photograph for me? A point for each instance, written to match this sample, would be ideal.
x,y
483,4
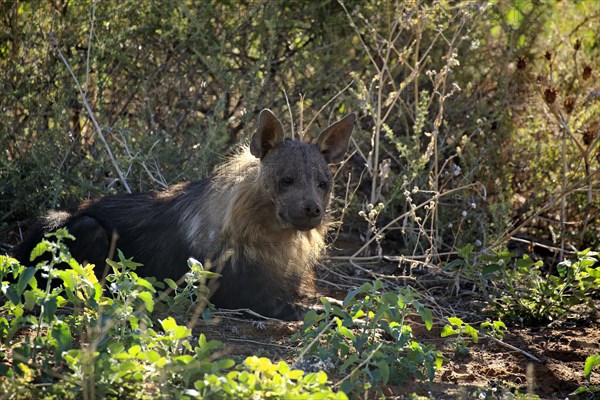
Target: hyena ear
x,y
333,141
268,135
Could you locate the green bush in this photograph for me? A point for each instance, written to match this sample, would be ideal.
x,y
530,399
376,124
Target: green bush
x,y
524,290
86,343
369,340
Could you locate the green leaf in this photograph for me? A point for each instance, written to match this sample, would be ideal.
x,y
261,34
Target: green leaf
x,y
5,370
145,284
146,297
24,279
295,374
62,334
343,330
385,371
490,269
465,251
350,297
326,305
499,325
49,305
426,315
454,264
38,250
185,359
439,359
168,324
472,331
526,262
134,350
447,330
225,363
171,283
353,358
321,377
181,332
593,272
455,321
590,363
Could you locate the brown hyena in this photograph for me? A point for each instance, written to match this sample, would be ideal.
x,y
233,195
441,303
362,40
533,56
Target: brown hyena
x,y
260,221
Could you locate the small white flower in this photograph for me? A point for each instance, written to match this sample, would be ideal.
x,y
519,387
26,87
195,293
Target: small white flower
x,y
452,61
450,225
473,205
478,243
456,170
464,213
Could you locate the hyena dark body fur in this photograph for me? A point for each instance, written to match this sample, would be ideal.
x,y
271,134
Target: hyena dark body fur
x,y
260,221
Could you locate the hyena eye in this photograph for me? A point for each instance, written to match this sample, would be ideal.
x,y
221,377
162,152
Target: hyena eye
x,y
287,181
322,185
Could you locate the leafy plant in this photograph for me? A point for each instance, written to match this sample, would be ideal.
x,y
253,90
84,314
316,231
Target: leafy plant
x,y
460,329
261,378
589,391
189,297
528,293
522,288
590,363
113,345
369,338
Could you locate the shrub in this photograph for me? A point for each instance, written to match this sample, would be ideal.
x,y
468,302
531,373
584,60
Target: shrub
x,y
112,345
369,339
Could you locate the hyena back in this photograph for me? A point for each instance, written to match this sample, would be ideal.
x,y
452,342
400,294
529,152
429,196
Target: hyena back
x,y
260,221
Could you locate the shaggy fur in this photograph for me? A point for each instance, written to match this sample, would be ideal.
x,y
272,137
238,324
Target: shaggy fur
x,y
260,221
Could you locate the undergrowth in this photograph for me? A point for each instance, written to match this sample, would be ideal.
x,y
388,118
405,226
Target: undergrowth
x,y
368,340
63,335
68,338
527,291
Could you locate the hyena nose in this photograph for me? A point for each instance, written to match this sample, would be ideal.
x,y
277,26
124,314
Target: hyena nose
x,y
312,210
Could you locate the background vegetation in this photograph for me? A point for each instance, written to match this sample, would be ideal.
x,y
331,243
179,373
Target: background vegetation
x,y
477,139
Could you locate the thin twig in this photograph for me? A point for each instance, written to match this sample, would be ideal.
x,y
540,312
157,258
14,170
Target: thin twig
x,y
433,199
510,346
301,117
359,366
305,350
91,114
89,49
287,101
322,108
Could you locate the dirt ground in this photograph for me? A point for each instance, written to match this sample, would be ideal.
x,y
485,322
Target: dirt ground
x,y
546,361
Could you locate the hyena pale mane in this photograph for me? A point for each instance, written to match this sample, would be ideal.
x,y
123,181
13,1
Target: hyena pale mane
x,y
259,221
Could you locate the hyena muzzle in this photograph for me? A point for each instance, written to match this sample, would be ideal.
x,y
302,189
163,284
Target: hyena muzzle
x,y
260,221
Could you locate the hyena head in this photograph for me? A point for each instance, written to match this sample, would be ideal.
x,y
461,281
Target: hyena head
x,y
296,175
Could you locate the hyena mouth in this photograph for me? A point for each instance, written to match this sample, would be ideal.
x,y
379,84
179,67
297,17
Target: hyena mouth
x,y
300,224
307,225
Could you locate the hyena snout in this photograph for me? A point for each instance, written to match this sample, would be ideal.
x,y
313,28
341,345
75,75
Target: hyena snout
x,y
306,214
311,209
